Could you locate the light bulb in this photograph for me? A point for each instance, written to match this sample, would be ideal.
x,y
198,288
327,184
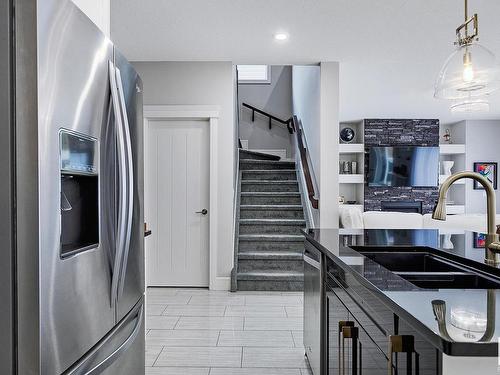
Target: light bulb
x,y
468,72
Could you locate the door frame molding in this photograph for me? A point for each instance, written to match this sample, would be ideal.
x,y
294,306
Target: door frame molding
x,y
209,113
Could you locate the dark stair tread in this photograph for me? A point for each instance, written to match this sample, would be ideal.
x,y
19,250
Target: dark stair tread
x,y
273,221
268,182
270,162
270,193
282,207
264,171
272,237
263,155
270,255
271,275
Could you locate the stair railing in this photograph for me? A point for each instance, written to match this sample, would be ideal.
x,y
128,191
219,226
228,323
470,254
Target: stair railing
x,y
304,157
271,117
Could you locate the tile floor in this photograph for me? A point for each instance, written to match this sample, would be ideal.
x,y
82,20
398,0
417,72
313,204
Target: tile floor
x,y
200,332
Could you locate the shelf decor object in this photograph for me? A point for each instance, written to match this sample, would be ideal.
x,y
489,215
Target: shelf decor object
x,y
470,73
347,135
488,170
447,136
447,165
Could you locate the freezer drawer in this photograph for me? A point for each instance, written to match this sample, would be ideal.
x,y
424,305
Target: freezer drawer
x,y
121,351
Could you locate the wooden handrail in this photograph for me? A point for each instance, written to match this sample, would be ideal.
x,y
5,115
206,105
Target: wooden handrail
x,y
305,164
271,117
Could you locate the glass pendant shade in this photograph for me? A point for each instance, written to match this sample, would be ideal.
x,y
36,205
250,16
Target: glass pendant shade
x,y
470,72
470,106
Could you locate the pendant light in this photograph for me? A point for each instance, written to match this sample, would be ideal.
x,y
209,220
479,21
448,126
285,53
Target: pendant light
x,y
471,73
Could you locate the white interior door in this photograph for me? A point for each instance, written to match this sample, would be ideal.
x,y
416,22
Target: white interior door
x,y
177,189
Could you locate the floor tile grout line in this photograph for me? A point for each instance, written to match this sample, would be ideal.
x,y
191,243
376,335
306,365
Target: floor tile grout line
x,y
165,309
218,338
293,339
177,322
158,356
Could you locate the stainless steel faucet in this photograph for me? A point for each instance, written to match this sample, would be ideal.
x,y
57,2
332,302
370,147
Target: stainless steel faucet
x,y
492,245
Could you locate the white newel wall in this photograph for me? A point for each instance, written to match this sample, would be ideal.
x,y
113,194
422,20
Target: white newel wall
x,y
98,11
316,104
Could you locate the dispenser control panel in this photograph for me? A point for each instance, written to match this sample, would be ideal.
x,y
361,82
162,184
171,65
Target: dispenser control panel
x,y
78,153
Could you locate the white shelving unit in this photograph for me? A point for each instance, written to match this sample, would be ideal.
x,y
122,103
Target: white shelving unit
x,y
454,152
351,148
351,186
351,178
452,149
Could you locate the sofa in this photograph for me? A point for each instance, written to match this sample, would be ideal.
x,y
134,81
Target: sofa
x,y
354,218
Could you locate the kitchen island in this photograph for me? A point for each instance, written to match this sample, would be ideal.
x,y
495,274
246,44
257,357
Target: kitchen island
x,y
399,302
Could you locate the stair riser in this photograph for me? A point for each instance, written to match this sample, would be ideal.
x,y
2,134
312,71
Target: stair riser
x,y
281,286
271,214
252,156
245,246
269,200
265,166
270,229
274,176
270,188
247,265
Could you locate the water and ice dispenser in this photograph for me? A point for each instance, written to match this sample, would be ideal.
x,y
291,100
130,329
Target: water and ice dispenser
x,y
79,193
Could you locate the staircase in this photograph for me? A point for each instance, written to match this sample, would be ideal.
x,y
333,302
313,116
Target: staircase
x,y
270,216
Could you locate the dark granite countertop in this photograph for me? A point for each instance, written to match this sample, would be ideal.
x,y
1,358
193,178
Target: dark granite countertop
x,y
414,304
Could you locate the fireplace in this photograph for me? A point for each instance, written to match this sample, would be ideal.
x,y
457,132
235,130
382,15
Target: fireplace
x,y
402,206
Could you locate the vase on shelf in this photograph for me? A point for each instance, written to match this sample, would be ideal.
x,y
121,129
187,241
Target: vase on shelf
x,y
447,166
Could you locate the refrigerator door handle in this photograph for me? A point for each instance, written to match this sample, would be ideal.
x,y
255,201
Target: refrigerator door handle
x,y
122,184
129,182
82,367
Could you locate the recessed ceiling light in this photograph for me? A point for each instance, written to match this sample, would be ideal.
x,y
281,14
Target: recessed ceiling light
x,y
281,36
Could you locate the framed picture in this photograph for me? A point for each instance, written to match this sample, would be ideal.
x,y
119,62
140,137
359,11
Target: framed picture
x,y
488,170
479,240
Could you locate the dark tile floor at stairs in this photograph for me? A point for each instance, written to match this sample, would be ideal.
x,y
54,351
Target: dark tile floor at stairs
x,y
270,245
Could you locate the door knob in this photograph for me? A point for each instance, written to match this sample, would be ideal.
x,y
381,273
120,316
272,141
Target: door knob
x,y
203,212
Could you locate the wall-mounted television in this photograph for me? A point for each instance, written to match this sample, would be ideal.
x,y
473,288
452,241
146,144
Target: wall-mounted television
x,y
403,166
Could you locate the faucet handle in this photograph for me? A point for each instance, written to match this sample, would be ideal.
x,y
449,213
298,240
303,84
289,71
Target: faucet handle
x,y
494,246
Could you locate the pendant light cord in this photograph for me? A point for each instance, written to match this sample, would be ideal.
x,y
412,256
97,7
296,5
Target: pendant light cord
x,y
466,17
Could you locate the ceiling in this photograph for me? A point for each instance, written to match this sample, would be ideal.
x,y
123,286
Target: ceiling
x,y
390,51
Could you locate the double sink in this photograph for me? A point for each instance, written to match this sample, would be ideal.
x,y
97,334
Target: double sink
x,y
430,271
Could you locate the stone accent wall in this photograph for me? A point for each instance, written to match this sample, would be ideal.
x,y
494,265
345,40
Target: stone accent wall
x,y
375,195
395,132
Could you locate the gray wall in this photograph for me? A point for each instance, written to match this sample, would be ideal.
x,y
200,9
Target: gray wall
x,y
482,145
306,88
202,83
274,98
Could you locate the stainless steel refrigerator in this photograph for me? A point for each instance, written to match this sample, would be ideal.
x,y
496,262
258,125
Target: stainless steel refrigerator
x,y
71,197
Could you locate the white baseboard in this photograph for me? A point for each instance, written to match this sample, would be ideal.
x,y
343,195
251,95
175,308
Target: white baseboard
x,y
221,283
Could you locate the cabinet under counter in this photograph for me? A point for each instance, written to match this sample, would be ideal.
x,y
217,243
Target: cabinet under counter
x,y
376,322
